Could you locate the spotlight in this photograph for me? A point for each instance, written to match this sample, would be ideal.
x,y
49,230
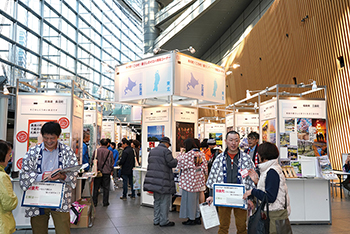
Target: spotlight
x,y
314,86
234,66
6,91
228,73
247,95
255,105
156,50
191,49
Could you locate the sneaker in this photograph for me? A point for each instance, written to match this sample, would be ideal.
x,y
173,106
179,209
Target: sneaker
x,y
170,224
132,197
123,198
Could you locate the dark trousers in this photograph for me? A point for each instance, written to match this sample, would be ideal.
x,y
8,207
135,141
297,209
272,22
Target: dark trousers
x,y
127,178
104,183
346,183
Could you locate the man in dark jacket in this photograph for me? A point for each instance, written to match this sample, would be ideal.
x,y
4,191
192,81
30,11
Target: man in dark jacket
x,y
105,162
128,163
160,180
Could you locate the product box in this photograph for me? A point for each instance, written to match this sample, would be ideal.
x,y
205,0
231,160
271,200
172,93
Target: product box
x,y
84,217
177,203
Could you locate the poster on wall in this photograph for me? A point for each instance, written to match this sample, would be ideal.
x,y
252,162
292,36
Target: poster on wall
x,y
243,134
292,152
289,125
312,137
154,135
183,131
265,129
217,137
272,130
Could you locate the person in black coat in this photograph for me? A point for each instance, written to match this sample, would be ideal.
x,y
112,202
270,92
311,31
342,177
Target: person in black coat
x,y
128,163
160,180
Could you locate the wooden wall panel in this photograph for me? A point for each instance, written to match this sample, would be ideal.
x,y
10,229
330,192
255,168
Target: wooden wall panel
x,y
267,56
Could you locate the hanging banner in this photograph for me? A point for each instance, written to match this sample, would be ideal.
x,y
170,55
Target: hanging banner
x,y
152,77
156,114
199,79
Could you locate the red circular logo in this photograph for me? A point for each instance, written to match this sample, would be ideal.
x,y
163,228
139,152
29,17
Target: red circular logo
x,y
22,136
64,122
19,163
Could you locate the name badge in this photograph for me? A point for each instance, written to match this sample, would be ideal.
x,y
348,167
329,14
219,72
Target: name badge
x,y
244,172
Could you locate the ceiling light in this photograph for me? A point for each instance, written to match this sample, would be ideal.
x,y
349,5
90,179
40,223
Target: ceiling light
x,y
6,91
234,66
156,50
228,73
255,105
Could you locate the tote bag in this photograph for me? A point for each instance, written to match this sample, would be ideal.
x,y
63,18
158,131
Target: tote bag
x,y
259,222
94,164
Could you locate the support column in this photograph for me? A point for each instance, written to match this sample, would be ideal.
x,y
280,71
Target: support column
x,y
3,117
150,31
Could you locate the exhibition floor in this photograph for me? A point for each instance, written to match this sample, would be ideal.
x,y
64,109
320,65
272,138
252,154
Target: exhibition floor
x,y
127,217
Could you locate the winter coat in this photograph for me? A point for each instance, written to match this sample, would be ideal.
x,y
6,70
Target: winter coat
x,y
160,177
8,202
127,161
193,166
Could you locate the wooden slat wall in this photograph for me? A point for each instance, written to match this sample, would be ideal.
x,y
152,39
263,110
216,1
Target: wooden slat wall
x,y
268,56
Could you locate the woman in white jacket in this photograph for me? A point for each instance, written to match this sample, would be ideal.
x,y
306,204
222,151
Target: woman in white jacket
x,y
272,183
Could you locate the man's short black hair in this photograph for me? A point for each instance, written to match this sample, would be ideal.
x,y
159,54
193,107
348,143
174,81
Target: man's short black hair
x,y
109,140
119,145
232,132
254,135
268,151
52,128
4,149
126,141
136,143
104,142
113,144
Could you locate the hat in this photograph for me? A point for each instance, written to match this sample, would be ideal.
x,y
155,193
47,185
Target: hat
x,y
211,142
165,140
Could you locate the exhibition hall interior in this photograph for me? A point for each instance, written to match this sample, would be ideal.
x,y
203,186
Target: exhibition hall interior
x,y
140,77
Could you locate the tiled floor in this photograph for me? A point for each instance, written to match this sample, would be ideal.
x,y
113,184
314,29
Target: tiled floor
x,y
128,217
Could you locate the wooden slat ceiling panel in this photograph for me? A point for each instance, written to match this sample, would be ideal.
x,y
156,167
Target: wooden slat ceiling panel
x,y
309,52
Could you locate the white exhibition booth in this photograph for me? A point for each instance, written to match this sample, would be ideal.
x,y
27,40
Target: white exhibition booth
x,y
170,87
298,127
34,110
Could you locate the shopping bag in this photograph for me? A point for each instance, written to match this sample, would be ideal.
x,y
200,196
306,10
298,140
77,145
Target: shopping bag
x,y
94,165
259,222
111,184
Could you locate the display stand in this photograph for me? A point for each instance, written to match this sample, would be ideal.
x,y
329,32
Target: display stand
x,y
109,129
178,85
36,108
298,127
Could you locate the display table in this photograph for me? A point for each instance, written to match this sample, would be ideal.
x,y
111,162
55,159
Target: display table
x,y
309,201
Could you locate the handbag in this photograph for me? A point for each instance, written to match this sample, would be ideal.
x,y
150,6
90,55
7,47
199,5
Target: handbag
x,y
283,225
259,222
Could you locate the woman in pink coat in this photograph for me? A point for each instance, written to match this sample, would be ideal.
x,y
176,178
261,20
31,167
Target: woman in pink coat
x,y
193,168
